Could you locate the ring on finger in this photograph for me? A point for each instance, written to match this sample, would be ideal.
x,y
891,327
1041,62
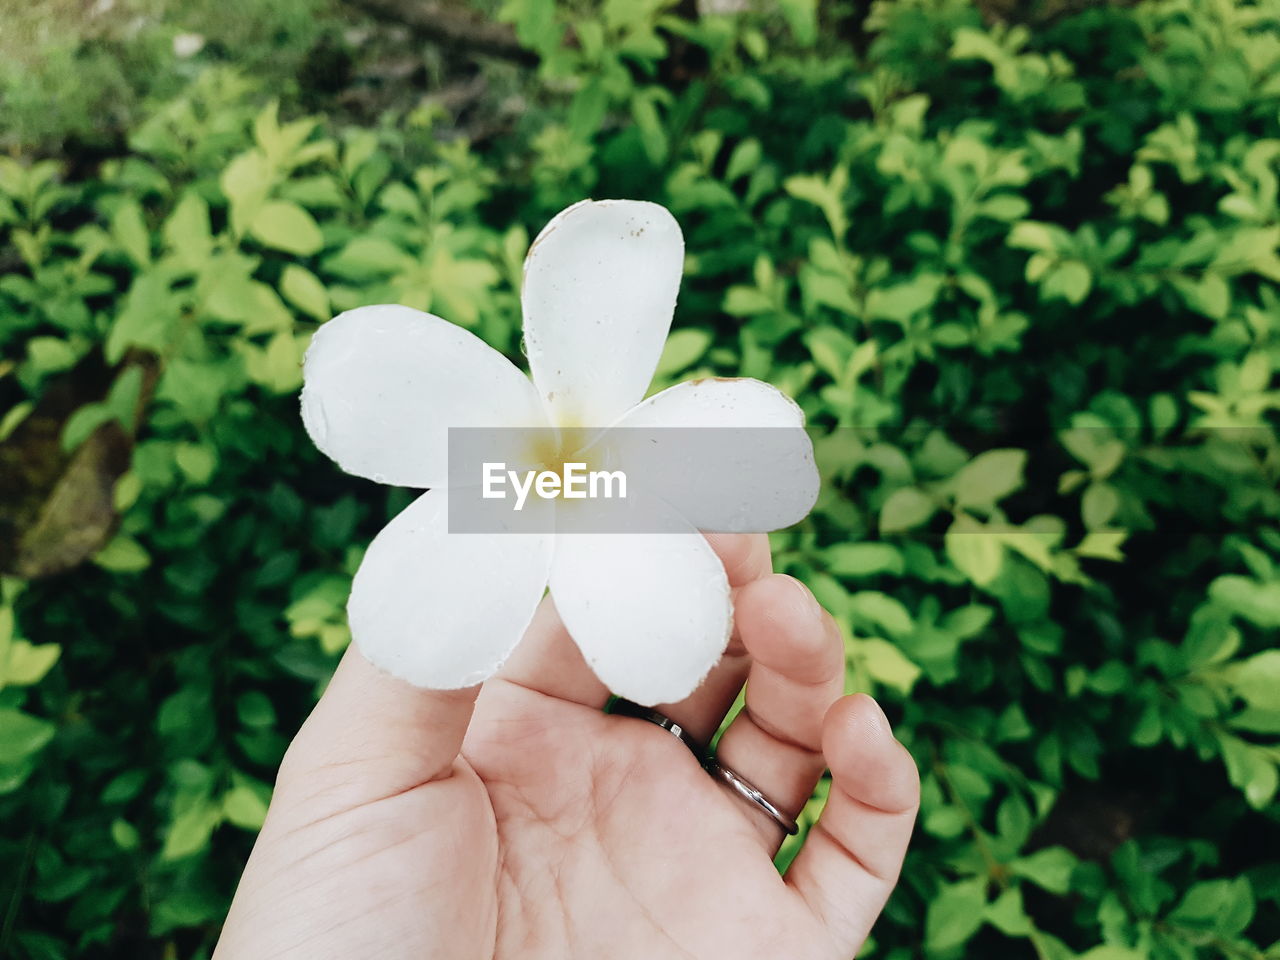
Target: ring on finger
x,y
751,793
626,708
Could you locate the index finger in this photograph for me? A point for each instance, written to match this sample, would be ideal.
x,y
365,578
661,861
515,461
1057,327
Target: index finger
x,y
375,735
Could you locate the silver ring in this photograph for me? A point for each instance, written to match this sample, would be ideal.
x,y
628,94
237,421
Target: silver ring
x,y
626,708
734,781
749,792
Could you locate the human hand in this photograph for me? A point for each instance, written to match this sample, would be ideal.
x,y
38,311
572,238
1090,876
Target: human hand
x,y
516,819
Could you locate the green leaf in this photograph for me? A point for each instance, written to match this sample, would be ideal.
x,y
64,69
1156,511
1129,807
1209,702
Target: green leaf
x,y
831,348
1033,235
1004,206
1111,951
304,290
13,418
189,833
1050,868
250,303
1250,768
648,123
1209,294
365,258
130,231
900,302
246,181
1099,505
954,915
123,555
124,835
1225,907
863,559
254,709
284,225
588,110
1256,602
126,491
684,348
1071,280
826,194
744,159
802,19
81,424
977,553
1103,545
123,397
187,231
885,663
746,302
968,621
26,663
22,735
1257,680
989,478
50,354
196,461
243,807
1093,447
882,610
904,509
1007,914
150,310
534,22
278,366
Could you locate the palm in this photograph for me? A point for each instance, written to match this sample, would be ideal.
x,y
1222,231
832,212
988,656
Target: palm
x,y
608,817
405,826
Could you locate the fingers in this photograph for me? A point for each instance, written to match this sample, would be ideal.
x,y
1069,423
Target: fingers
x,y
850,861
373,736
549,662
745,556
797,672
746,559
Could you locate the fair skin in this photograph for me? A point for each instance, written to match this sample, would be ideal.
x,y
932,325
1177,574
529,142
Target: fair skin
x,y
516,819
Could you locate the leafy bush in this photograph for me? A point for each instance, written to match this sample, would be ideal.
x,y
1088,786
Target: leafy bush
x,y
80,74
1022,278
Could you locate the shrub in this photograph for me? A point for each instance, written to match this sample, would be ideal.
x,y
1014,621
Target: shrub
x,y
1022,278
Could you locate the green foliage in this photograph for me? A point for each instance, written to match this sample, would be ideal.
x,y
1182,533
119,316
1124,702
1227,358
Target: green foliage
x,y
71,72
1023,281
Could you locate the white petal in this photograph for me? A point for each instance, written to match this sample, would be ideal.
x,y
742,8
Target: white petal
x,y
383,385
728,455
650,612
444,611
600,285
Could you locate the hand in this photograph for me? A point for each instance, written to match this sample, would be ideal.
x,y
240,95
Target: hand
x,y
527,823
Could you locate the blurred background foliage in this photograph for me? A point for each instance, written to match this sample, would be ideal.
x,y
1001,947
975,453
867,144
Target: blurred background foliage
x,y
1017,261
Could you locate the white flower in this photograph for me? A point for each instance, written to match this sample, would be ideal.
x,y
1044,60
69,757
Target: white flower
x,y
650,611
187,45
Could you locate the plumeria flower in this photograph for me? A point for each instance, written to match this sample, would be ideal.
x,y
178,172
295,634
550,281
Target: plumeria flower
x,y
650,611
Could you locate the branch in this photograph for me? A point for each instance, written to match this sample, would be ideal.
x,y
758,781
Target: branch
x,y
450,26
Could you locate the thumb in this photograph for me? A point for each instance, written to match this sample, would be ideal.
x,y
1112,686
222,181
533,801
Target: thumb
x,y
373,736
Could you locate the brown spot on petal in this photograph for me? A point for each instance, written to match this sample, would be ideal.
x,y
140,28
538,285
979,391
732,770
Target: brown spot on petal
x,y
550,229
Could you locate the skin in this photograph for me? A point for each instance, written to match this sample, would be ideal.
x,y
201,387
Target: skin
x,y
516,819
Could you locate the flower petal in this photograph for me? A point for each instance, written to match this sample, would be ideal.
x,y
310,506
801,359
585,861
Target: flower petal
x,y
600,285
650,611
383,385
728,455
444,611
